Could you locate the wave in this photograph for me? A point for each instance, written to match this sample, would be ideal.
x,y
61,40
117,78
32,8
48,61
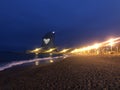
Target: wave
x,y
15,63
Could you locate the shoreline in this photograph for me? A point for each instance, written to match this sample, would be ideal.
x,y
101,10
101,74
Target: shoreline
x,y
23,62
77,72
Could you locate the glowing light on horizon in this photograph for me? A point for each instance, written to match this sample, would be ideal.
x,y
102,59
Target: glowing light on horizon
x,y
36,50
50,50
64,50
97,45
111,42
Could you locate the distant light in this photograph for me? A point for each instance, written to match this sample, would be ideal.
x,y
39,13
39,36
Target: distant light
x,y
111,42
51,61
36,50
96,46
36,63
50,50
64,50
53,32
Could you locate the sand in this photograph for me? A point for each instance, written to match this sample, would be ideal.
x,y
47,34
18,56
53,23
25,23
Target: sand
x,y
73,73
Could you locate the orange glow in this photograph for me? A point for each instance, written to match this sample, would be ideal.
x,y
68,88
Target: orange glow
x,y
96,46
64,50
110,42
50,50
36,50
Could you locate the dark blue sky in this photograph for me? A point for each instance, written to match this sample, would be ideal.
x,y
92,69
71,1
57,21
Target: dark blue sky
x,y
76,22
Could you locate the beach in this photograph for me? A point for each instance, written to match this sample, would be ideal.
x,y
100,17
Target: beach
x,y
72,73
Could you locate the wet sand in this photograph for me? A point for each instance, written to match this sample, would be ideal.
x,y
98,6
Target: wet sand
x,y
72,73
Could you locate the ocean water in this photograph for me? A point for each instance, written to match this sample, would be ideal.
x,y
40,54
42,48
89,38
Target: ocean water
x,y
9,56
8,59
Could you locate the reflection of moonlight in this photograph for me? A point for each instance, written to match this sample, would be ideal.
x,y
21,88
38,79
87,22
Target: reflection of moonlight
x,y
51,61
36,63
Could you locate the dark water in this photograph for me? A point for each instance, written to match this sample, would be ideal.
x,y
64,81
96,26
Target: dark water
x,y
9,57
6,57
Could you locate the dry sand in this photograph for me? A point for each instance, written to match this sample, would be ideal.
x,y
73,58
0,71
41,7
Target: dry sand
x,y
73,73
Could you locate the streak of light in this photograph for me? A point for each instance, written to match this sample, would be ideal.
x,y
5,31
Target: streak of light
x,y
36,50
97,45
50,50
64,50
111,44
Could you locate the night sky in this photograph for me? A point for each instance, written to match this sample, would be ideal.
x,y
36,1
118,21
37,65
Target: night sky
x,y
76,22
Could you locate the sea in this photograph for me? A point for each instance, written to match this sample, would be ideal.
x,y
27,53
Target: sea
x,y
10,59
6,57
